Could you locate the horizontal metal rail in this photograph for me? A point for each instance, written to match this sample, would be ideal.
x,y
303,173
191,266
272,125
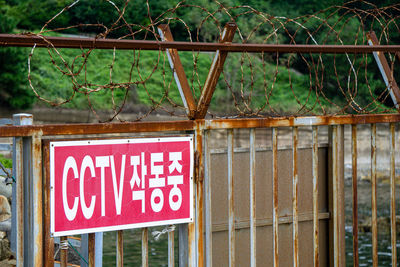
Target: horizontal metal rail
x,y
69,42
188,125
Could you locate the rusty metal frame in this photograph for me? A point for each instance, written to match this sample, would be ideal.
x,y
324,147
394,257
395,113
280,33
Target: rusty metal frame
x,y
215,71
179,72
79,43
190,125
386,71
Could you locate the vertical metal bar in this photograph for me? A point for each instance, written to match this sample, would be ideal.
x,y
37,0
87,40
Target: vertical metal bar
x,y
215,71
393,194
171,252
373,197
48,240
63,251
208,205
18,174
179,72
98,249
355,194
275,226
84,249
37,200
335,181
252,198
91,249
17,231
315,193
231,200
183,244
199,226
385,70
295,131
145,247
120,248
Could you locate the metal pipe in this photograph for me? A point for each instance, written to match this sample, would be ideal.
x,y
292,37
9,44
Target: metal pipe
x,y
275,227
91,249
80,43
208,205
120,248
252,198
373,198
171,253
355,194
315,193
37,214
63,251
296,263
393,193
231,199
145,247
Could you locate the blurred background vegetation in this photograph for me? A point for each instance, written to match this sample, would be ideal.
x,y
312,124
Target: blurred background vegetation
x,y
22,16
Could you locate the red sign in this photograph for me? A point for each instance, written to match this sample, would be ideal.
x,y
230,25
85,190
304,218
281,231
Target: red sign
x,y
103,185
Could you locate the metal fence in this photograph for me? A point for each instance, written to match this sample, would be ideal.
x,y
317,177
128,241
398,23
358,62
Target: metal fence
x,y
254,204
325,233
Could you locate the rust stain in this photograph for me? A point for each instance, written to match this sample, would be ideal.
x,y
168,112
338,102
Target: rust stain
x,y
199,197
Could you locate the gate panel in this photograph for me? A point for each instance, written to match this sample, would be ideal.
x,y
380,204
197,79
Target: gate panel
x,y
264,203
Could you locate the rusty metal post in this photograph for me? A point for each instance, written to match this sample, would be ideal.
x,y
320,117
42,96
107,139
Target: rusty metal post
x,y
17,231
63,251
374,198
315,194
275,213
253,254
336,196
179,72
208,203
145,247
231,199
120,248
296,262
393,194
37,187
355,193
215,71
385,70
171,251
91,249
196,230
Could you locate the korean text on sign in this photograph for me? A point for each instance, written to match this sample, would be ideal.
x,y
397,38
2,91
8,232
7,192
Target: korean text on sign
x,y
102,185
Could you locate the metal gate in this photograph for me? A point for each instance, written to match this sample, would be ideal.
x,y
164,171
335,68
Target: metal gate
x,y
256,203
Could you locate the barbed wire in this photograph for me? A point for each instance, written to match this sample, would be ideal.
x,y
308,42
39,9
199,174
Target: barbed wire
x,y
251,84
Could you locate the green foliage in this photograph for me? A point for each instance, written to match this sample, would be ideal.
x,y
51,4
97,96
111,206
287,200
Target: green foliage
x,y
7,163
13,91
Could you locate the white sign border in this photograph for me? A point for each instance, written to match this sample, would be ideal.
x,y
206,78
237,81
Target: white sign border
x,y
138,140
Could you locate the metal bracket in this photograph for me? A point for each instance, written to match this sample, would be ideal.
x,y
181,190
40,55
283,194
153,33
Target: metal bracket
x,y
215,71
386,71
